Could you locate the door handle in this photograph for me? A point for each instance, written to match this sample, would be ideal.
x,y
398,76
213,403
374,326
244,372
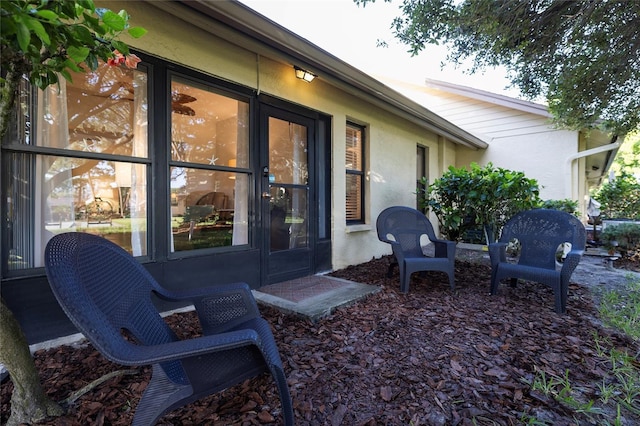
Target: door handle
x,y
266,195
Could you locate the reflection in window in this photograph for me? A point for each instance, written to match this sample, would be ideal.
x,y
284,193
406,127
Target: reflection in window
x,y
81,195
209,173
288,152
288,213
205,216
101,112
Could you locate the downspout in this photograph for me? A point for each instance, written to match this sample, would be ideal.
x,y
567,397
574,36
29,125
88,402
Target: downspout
x,y
610,147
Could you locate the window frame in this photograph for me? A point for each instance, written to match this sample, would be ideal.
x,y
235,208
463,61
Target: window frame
x,y
422,168
158,160
195,78
357,172
21,139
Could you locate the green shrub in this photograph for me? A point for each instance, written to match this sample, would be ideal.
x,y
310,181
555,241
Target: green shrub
x,y
620,198
624,237
565,205
485,197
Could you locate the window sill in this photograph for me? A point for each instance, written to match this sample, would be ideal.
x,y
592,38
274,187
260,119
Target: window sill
x,y
358,228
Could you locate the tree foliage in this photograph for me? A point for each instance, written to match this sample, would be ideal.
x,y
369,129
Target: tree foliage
x,y
50,37
47,38
620,197
582,55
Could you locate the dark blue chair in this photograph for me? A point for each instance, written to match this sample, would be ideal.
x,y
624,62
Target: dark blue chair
x,y
107,295
403,228
541,235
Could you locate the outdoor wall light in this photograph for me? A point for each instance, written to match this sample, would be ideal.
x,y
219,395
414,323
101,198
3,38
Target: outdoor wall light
x,y
303,74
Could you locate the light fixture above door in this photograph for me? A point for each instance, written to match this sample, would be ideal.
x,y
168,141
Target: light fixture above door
x,y
303,74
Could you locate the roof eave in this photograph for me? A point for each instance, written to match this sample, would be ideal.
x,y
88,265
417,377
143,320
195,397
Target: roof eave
x,y
330,68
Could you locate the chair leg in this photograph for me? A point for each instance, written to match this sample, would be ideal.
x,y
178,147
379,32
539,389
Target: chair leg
x,y
160,395
560,295
452,280
494,282
405,277
392,265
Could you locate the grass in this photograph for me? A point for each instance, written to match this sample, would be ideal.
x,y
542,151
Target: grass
x,y
622,309
618,395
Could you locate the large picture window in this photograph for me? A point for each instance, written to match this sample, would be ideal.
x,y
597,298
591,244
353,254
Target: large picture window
x,y
209,167
354,162
86,166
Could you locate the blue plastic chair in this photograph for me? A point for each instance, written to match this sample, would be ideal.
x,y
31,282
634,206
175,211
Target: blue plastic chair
x,y
403,228
541,233
107,294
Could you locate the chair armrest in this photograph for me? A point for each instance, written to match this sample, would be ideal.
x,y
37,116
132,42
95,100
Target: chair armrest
x,y
497,253
445,248
197,293
569,264
220,308
138,355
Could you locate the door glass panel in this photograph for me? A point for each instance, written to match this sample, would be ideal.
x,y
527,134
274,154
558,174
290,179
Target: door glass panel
x,y
288,211
287,152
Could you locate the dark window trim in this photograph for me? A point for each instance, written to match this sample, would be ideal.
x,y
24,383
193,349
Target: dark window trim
x,y
361,173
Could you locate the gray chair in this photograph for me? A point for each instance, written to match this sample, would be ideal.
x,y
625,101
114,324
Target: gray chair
x,y
541,233
107,294
403,227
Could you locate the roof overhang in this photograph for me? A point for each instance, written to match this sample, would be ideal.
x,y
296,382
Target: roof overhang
x,y
229,18
598,150
597,165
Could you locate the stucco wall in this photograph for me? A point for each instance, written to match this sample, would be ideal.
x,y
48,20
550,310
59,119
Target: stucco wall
x,y
520,138
541,156
391,141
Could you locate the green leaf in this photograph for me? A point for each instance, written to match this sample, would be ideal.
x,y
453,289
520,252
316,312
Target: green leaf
x,y
8,26
136,32
66,75
91,61
87,4
72,65
114,21
78,54
93,23
49,15
120,47
24,36
83,35
35,26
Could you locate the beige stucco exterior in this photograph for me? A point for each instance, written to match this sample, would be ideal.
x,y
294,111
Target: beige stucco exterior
x,y
520,136
196,42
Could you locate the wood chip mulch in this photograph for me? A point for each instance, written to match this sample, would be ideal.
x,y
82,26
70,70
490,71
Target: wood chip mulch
x,y
429,357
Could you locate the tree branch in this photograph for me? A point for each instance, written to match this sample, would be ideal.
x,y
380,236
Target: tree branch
x,y
71,399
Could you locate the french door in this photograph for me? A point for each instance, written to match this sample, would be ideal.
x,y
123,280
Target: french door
x,y
287,194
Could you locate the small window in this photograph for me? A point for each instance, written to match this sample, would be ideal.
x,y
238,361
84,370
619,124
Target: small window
x,y
354,161
422,171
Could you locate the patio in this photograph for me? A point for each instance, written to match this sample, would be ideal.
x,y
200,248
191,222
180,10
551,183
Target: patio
x,y
430,357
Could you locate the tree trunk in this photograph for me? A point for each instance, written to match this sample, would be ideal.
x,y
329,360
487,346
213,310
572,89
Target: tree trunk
x,y
29,403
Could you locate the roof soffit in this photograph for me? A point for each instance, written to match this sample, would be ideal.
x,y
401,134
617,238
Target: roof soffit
x,y
267,38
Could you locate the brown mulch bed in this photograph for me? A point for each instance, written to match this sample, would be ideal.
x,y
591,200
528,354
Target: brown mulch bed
x,y
629,264
429,357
